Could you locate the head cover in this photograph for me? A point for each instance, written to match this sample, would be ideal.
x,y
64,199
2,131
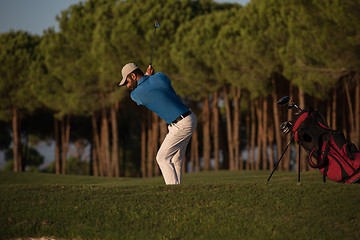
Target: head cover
x,y
126,70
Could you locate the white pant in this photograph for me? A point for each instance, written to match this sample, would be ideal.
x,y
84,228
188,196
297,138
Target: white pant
x,y
171,154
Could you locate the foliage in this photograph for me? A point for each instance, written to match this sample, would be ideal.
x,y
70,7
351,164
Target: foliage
x,y
17,53
77,167
193,51
65,74
200,45
74,166
107,56
133,31
248,46
9,166
322,43
31,157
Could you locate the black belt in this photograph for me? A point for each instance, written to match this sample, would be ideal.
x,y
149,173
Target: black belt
x,y
181,117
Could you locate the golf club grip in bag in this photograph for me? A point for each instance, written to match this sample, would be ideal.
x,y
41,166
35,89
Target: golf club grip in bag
x,y
329,151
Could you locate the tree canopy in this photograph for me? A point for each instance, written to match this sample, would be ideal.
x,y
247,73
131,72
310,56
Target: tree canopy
x,y
201,45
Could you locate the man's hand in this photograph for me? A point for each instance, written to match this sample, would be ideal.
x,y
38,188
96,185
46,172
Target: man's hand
x,y
150,71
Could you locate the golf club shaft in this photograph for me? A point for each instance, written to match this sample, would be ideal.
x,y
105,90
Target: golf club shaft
x,y
277,164
295,105
152,51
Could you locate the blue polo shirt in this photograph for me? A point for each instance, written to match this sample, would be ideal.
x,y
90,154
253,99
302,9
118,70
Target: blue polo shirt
x,y
156,93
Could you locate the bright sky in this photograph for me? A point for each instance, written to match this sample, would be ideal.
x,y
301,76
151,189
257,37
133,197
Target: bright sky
x,y
34,16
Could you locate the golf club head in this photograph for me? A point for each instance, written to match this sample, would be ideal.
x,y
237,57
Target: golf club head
x,y
290,106
283,101
286,126
157,25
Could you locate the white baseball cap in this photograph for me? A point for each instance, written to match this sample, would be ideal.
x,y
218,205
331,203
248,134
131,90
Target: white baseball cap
x,y
126,70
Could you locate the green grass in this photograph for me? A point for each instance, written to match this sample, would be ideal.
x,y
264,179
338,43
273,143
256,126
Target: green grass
x,y
212,205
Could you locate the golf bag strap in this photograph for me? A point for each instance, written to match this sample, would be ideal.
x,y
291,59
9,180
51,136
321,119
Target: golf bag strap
x,y
325,173
320,161
311,163
326,159
327,148
350,166
354,178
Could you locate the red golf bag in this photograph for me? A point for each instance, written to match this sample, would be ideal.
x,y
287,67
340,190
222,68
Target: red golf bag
x,y
329,151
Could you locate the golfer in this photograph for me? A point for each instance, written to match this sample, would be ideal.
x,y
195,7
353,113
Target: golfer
x,y
155,92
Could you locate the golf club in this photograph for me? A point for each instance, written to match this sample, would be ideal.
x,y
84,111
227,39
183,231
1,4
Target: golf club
x,y
285,100
286,126
156,25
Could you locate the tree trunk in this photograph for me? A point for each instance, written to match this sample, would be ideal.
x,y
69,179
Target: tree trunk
x,y
236,128
163,132
98,158
57,147
328,111
150,150
143,148
248,136
115,143
344,120
67,134
94,161
206,134
155,140
195,164
105,141
334,112
258,110
192,154
65,139
270,136
276,121
63,147
216,137
223,144
253,135
354,120
351,112
17,151
229,129
265,133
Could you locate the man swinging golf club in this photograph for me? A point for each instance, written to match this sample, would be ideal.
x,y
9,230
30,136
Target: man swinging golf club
x,y
155,92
